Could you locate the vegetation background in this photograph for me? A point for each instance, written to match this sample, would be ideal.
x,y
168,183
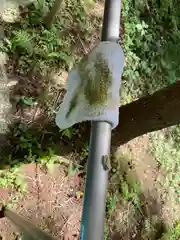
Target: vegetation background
x,y
36,52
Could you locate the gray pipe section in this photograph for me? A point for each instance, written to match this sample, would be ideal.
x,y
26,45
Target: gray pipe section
x,y
111,22
29,231
92,226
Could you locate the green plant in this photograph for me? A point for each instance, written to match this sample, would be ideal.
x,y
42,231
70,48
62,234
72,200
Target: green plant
x,y
153,228
21,40
173,233
166,151
72,170
68,132
30,101
85,150
13,178
130,193
25,140
149,42
150,33
45,49
106,230
112,199
48,160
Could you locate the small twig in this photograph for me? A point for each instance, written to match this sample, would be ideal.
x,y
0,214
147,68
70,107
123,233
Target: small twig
x,y
34,115
66,223
85,49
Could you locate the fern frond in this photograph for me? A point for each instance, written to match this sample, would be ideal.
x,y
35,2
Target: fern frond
x,y
22,40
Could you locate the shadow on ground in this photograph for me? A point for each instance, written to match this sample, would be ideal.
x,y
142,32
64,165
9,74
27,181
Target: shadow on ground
x,y
138,213
148,223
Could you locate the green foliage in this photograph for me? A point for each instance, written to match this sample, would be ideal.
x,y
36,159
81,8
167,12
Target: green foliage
x,y
151,45
21,41
40,49
173,233
25,140
85,150
150,39
106,230
48,160
41,46
13,178
38,52
153,228
68,132
130,193
165,148
112,199
28,101
72,170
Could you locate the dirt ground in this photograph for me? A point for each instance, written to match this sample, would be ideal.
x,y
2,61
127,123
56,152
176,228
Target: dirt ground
x,y
157,201
50,201
151,178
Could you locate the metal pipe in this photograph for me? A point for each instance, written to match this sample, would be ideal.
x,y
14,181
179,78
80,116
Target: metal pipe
x,y
29,231
92,225
111,22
